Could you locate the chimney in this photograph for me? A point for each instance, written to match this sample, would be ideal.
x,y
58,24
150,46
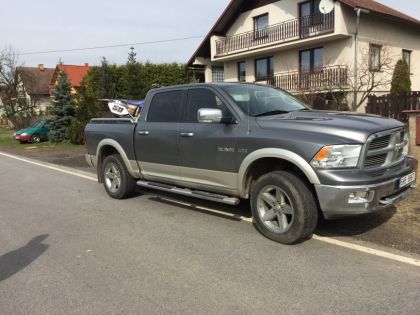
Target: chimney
x,y
41,67
86,64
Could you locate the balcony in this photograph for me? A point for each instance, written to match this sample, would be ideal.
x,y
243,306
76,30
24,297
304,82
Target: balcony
x,y
300,28
324,79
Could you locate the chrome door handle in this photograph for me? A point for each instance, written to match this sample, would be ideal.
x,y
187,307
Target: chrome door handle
x,y
143,133
186,134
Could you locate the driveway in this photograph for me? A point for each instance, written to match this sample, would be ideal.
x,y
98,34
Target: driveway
x,y
67,248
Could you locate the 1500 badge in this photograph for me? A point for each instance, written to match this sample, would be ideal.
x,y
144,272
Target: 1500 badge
x,y
228,150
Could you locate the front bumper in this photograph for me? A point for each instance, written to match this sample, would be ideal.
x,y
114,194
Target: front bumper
x,y
334,200
23,138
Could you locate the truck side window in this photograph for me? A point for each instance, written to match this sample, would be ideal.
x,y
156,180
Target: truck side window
x,y
165,107
202,98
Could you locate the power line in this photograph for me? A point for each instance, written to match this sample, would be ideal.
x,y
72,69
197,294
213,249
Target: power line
x,y
111,46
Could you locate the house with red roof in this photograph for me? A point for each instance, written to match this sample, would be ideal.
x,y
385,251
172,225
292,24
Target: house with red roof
x,y
75,74
311,47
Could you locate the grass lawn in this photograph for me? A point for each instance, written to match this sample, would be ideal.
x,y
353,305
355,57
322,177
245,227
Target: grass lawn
x,y
7,141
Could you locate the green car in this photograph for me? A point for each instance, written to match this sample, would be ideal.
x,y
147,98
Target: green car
x,y
34,134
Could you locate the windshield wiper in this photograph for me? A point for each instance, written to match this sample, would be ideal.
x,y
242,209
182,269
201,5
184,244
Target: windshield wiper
x,y
273,112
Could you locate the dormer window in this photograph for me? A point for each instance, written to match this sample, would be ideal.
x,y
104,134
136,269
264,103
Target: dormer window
x,y
261,26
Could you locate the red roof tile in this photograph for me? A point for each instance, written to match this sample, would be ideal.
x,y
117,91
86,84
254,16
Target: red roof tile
x,y
75,73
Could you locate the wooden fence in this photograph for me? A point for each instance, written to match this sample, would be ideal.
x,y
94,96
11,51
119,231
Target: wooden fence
x,y
392,105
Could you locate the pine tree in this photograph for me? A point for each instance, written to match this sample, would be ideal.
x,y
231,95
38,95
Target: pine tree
x,y
401,82
132,78
61,109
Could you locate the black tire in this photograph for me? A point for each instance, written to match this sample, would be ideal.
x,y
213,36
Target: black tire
x,y
35,138
294,217
118,183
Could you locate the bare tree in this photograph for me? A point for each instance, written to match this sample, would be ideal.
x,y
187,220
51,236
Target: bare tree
x,y
371,78
17,107
337,83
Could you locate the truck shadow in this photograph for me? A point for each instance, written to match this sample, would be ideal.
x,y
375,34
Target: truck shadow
x,y
16,260
351,226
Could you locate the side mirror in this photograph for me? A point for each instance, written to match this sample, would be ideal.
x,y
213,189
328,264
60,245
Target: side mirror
x,y
209,115
117,108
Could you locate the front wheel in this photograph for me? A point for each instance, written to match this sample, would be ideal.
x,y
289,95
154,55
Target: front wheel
x,y
35,138
118,182
283,207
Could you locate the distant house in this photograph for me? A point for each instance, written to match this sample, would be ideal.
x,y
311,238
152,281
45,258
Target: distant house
x,y
75,74
303,47
34,85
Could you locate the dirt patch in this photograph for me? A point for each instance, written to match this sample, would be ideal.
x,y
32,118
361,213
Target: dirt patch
x,y
74,157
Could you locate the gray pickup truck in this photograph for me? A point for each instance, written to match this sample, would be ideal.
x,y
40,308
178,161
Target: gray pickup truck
x,y
225,142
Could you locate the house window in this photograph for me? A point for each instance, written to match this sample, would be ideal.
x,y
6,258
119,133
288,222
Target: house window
x,y
241,71
311,60
309,12
218,74
264,68
406,54
260,26
375,57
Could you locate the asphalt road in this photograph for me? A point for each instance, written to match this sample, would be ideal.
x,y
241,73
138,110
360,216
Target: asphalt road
x,y
67,248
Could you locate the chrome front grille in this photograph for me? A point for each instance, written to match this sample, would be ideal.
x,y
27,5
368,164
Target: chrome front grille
x,y
384,149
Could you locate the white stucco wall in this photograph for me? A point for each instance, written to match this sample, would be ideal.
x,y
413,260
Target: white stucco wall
x,y
339,47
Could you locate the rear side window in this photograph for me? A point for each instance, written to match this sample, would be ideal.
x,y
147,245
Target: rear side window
x,y
201,98
165,107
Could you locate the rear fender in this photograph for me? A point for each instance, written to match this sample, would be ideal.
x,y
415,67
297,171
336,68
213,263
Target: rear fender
x,y
131,165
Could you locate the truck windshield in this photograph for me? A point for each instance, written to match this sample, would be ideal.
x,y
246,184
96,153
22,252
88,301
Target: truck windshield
x,y
256,101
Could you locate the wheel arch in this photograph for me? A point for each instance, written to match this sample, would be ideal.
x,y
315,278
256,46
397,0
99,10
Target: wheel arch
x,y
272,159
108,147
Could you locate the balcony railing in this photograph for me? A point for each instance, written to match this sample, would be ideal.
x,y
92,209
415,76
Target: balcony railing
x,y
326,78
300,28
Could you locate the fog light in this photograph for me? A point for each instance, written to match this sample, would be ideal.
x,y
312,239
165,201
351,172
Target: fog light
x,y
360,197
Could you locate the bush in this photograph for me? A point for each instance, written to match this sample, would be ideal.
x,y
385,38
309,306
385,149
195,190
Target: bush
x,y
401,82
76,132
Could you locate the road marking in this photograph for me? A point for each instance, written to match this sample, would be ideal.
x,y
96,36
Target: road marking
x,y
368,250
51,167
329,240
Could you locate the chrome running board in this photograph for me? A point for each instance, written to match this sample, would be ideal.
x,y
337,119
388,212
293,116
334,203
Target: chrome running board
x,y
190,193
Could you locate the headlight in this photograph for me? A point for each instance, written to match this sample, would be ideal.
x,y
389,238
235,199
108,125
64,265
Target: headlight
x,y
406,149
337,156
24,134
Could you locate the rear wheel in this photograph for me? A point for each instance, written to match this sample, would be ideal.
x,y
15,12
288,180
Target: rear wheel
x,y
118,182
35,138
283,207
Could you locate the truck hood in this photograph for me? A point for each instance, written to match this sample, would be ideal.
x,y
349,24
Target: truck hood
x,y
345,125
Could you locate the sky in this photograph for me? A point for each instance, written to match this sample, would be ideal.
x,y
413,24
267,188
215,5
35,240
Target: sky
x,y
44,25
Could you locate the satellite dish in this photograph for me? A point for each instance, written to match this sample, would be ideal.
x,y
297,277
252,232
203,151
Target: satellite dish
x,y
326,6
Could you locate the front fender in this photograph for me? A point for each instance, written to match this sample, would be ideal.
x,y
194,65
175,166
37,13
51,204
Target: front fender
x,y
287,155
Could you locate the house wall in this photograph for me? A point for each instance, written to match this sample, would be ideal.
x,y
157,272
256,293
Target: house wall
x,y
339,48
335,53
279,11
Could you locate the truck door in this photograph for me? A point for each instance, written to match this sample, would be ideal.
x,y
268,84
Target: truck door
x,y
207,151
156,136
